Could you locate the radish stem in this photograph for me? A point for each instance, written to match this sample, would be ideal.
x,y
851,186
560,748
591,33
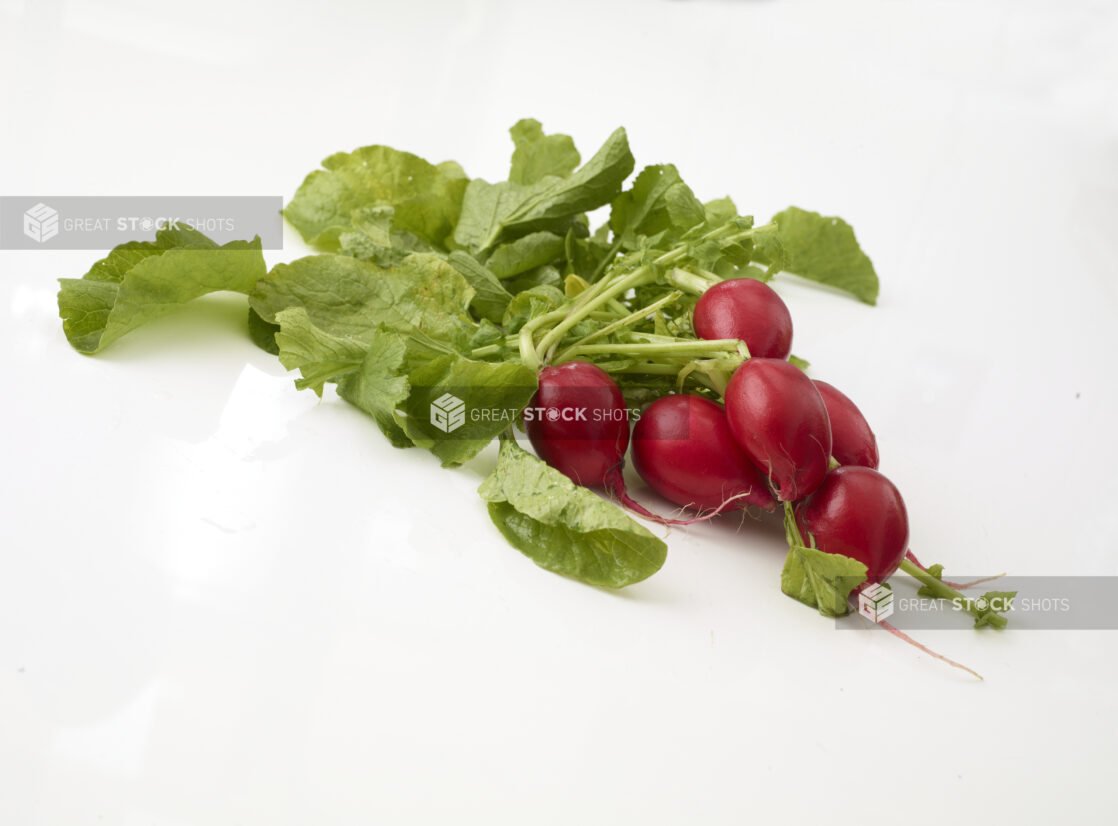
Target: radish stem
x,y
962,586
632,318
941,590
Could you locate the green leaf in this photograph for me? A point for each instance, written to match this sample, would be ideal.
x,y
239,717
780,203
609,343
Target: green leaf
x,y
378,386
489,335
585,256
991,604
373,236
491,212
723,257
752,271
491,396
426,198
319,356
527,253
659,202
545,276
141,281
821,580
346,297
491,299
262,333
824,249
538,156
421,348
642,390
768,249
532,302
486,334
566,528
719,211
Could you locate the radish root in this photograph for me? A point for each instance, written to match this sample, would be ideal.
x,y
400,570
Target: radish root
x,y
615,484
896,632
958,586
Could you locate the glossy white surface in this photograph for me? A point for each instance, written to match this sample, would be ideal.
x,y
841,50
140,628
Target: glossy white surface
x,y
223,602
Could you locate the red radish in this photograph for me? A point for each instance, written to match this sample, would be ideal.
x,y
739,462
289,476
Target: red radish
x,y
579,424
779,419
852,441
747,309
859,513
577,421
683,449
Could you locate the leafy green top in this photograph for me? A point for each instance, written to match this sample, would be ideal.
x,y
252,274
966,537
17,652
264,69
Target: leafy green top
x,y
141,281
824,250
566,528
491,212
425,198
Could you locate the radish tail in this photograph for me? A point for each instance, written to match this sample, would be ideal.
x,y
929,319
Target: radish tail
x,y
896,632
958,586
615,484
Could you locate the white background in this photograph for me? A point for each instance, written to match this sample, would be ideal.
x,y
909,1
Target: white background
x,y
222,602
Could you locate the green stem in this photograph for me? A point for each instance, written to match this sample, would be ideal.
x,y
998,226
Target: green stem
x,y
632,318
577,313
524,339
649,368
652,368
528,353
602,291
689,349
488,350
689,282
791,529
943,591
587,302
716,371
655,338
605,262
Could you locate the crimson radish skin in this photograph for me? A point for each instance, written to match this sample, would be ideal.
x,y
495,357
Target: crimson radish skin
x,y
780,421
852,441
746,309
577,421
858,513
683,449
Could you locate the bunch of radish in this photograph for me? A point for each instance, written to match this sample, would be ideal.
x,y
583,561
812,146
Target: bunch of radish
x,y
431,286
779,439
